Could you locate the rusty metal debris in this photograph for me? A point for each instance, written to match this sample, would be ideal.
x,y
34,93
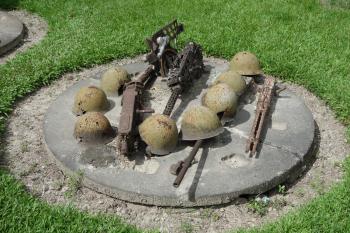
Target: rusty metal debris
x,y
187,66
264,101
160,58
180,168
132,111
162,55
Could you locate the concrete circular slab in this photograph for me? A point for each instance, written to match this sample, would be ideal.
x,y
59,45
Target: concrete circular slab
x,y
11,32
223,171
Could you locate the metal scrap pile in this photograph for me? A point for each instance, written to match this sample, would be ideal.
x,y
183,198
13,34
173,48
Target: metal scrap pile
x,y
159,132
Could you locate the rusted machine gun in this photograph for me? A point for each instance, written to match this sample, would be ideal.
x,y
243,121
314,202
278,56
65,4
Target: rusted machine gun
x,y
132,111
265,96
162,55
187,66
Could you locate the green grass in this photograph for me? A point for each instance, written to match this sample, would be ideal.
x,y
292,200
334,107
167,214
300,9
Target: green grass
x,y
21,212
297,40
328,213
345,4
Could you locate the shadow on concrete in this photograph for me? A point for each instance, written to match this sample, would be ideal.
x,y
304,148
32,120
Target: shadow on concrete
x,y
201,163
309,158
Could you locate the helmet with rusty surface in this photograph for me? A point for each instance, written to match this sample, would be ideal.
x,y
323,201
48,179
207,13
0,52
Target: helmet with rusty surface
x,y
199,122
245,63
93,127
160,133
90,99
113,79
220,98
233,79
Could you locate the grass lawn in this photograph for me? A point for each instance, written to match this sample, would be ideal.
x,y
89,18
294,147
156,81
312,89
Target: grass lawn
x,y
297,40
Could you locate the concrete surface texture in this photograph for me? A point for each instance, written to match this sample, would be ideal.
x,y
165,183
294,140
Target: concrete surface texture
x,y
11,32
222,172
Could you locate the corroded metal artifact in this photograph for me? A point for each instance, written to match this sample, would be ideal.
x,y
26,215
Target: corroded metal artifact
x,y
265,95
233,79
221,98
160,133
93,127
246,63
198,123
187,67
162,55
90,99
132,111
114,79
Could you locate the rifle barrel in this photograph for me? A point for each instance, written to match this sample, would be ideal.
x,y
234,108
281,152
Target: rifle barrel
x,y
171,101
144,75
262,107
187,163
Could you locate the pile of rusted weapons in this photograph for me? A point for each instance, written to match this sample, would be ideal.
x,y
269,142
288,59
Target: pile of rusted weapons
x,y
159,131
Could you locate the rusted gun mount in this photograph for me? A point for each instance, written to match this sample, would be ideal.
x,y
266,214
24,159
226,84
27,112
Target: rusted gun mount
x,y
132,111
162,54
187,67
265,96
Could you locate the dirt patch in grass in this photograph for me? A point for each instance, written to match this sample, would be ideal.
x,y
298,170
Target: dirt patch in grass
x,y
29,161
36,29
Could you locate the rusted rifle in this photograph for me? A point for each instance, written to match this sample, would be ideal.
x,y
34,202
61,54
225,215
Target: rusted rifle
x,y
180,168
162,55
132,110
187,67
265,95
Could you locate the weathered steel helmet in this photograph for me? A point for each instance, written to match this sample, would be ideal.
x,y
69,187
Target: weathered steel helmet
x,y
200,122
160,133
113,79
234,80
93,127
221,98
90,99
245,63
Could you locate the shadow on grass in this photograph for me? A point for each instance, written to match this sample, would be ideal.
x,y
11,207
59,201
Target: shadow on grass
x,y
9,4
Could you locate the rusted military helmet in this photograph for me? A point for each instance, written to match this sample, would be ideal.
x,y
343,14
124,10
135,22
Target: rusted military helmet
x,y
199,122
160,133
221,98
113,79
234,80
90,99
245,63
93,127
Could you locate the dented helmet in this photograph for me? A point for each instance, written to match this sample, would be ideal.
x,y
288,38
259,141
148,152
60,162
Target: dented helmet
x,y
221,98
200,122
90,99
234,80
246,63
160,133
113,79
93,127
